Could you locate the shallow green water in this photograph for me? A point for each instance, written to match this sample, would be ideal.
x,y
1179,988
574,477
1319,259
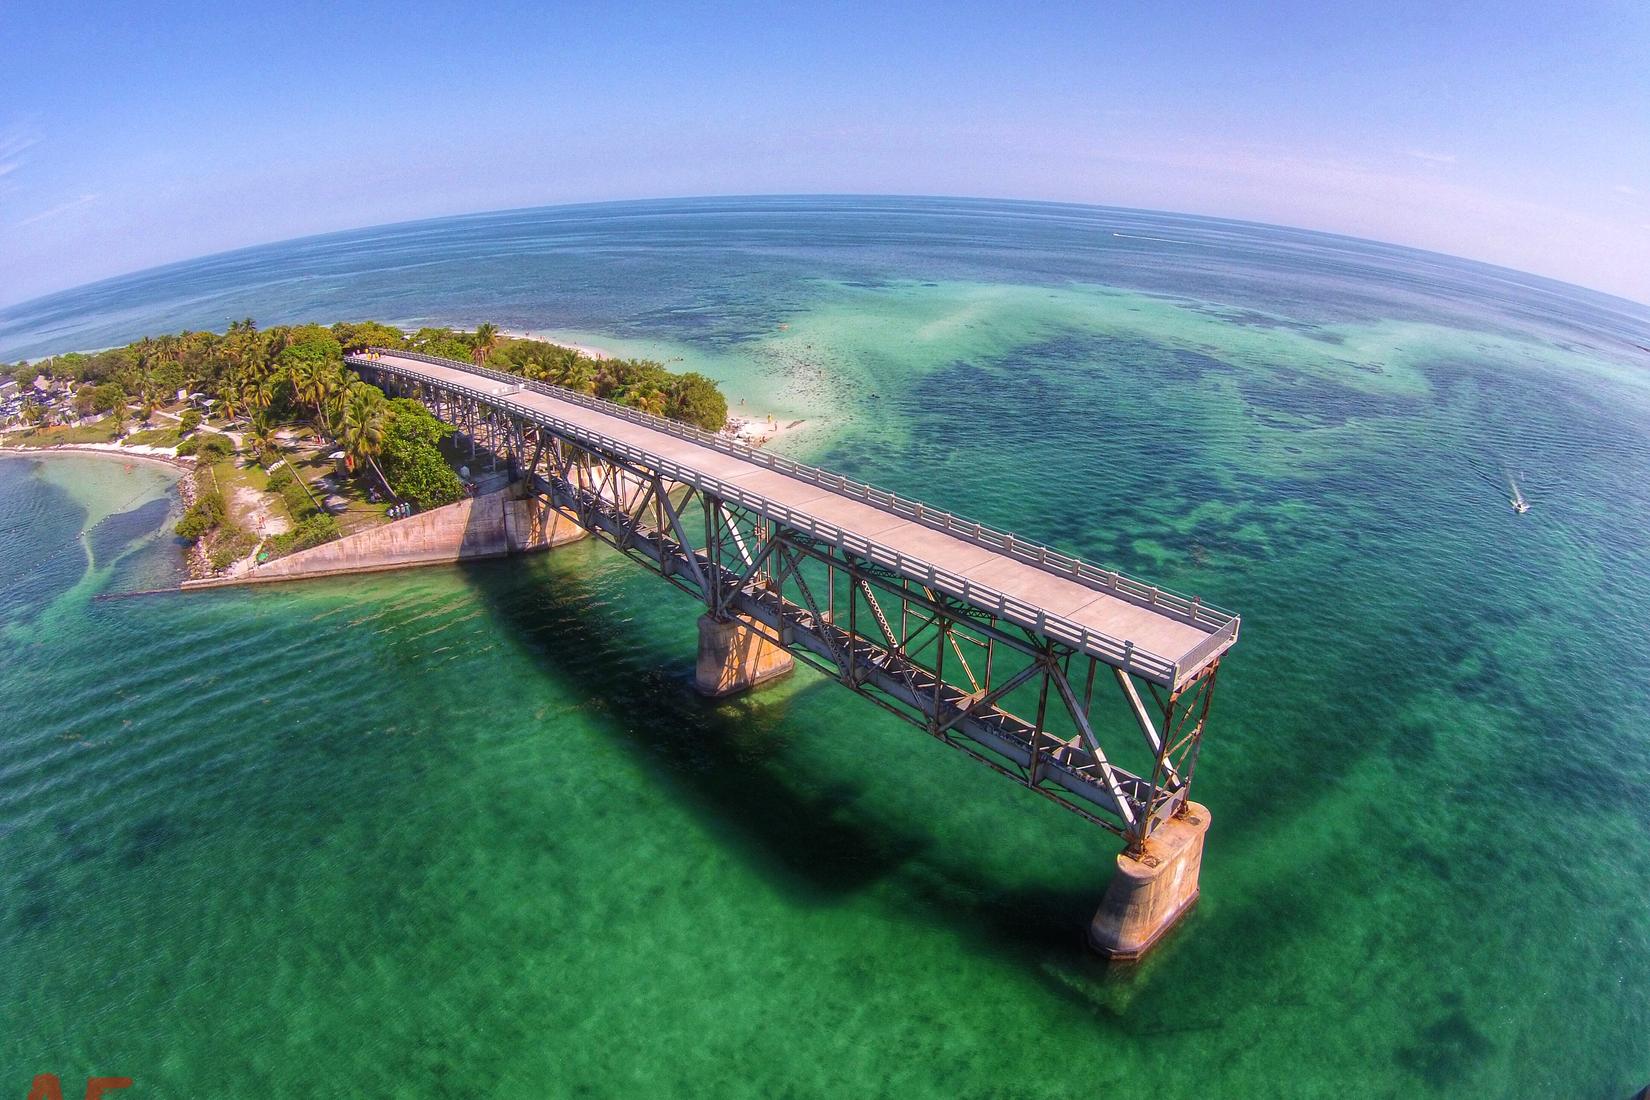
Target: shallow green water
x,y
468,830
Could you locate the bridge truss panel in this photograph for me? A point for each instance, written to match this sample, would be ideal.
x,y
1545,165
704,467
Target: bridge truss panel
x,y
998,684
1151,632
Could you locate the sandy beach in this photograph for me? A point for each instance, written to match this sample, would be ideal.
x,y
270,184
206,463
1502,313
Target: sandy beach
x,y
754,429
138,451
543,337
759,430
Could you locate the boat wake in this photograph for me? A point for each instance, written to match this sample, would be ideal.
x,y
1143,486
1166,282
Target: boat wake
x,y
1503,480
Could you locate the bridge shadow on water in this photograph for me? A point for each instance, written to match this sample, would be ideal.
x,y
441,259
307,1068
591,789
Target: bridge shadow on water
x,y
817,841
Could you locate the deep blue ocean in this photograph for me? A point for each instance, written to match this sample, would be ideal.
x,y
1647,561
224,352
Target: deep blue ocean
x,y
468,830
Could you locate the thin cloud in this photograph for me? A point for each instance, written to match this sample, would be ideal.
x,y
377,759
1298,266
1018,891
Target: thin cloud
x,y
15,140
1430,158
1626,189
62,208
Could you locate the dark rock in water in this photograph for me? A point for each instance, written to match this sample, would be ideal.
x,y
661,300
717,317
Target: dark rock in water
x,y
112,534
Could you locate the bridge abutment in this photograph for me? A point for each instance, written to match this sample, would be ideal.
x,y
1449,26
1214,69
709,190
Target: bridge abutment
x,y
734,658
1151,891
510,520
532,523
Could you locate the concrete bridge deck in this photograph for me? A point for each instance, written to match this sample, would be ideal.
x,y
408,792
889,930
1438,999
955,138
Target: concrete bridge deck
x,y
1139,628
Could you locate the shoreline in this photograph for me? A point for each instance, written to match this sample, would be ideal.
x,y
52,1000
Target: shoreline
x,y
107,450
583,349
746,427
195,562
749,428
753,431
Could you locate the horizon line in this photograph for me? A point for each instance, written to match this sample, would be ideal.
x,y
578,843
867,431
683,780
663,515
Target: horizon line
x,y
7,308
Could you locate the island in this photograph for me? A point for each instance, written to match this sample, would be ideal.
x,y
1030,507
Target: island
x,y
280,446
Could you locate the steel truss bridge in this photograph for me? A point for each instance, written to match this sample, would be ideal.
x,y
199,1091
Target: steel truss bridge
x,y
989,643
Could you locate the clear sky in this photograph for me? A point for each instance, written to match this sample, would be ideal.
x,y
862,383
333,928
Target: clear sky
x,y
134,134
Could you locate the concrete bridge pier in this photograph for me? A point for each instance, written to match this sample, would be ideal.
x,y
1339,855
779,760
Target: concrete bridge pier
x,y
734,658
1152,889
531,522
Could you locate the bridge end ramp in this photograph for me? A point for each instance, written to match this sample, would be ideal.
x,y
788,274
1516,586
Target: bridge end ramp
x,y
1152,890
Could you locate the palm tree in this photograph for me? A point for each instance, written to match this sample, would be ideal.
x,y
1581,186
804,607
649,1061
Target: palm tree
x,y
117,413
483,343
365,420
231,402
305,376
277,340
196,354
335,395
262,433
145,364
261,393
167,350
578,373
231,354
315,384
644,396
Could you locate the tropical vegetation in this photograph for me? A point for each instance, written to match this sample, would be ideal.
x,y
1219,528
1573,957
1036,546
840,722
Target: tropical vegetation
x,y
255,382
297,370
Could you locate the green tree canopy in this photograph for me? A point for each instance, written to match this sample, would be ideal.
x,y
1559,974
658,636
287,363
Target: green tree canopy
x,y
443,342
107,396
411,460
368,334
695,399
320,348
482,341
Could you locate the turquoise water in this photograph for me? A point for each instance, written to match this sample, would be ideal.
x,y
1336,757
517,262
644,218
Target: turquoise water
x,y
468,830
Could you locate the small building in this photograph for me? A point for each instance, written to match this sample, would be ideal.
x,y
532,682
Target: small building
x,y
8,389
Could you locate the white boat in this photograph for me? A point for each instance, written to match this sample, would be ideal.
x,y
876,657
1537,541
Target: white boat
x,y
1519,504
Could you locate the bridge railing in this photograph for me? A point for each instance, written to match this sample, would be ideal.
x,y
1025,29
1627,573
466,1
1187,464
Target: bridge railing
x,y
1221,625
